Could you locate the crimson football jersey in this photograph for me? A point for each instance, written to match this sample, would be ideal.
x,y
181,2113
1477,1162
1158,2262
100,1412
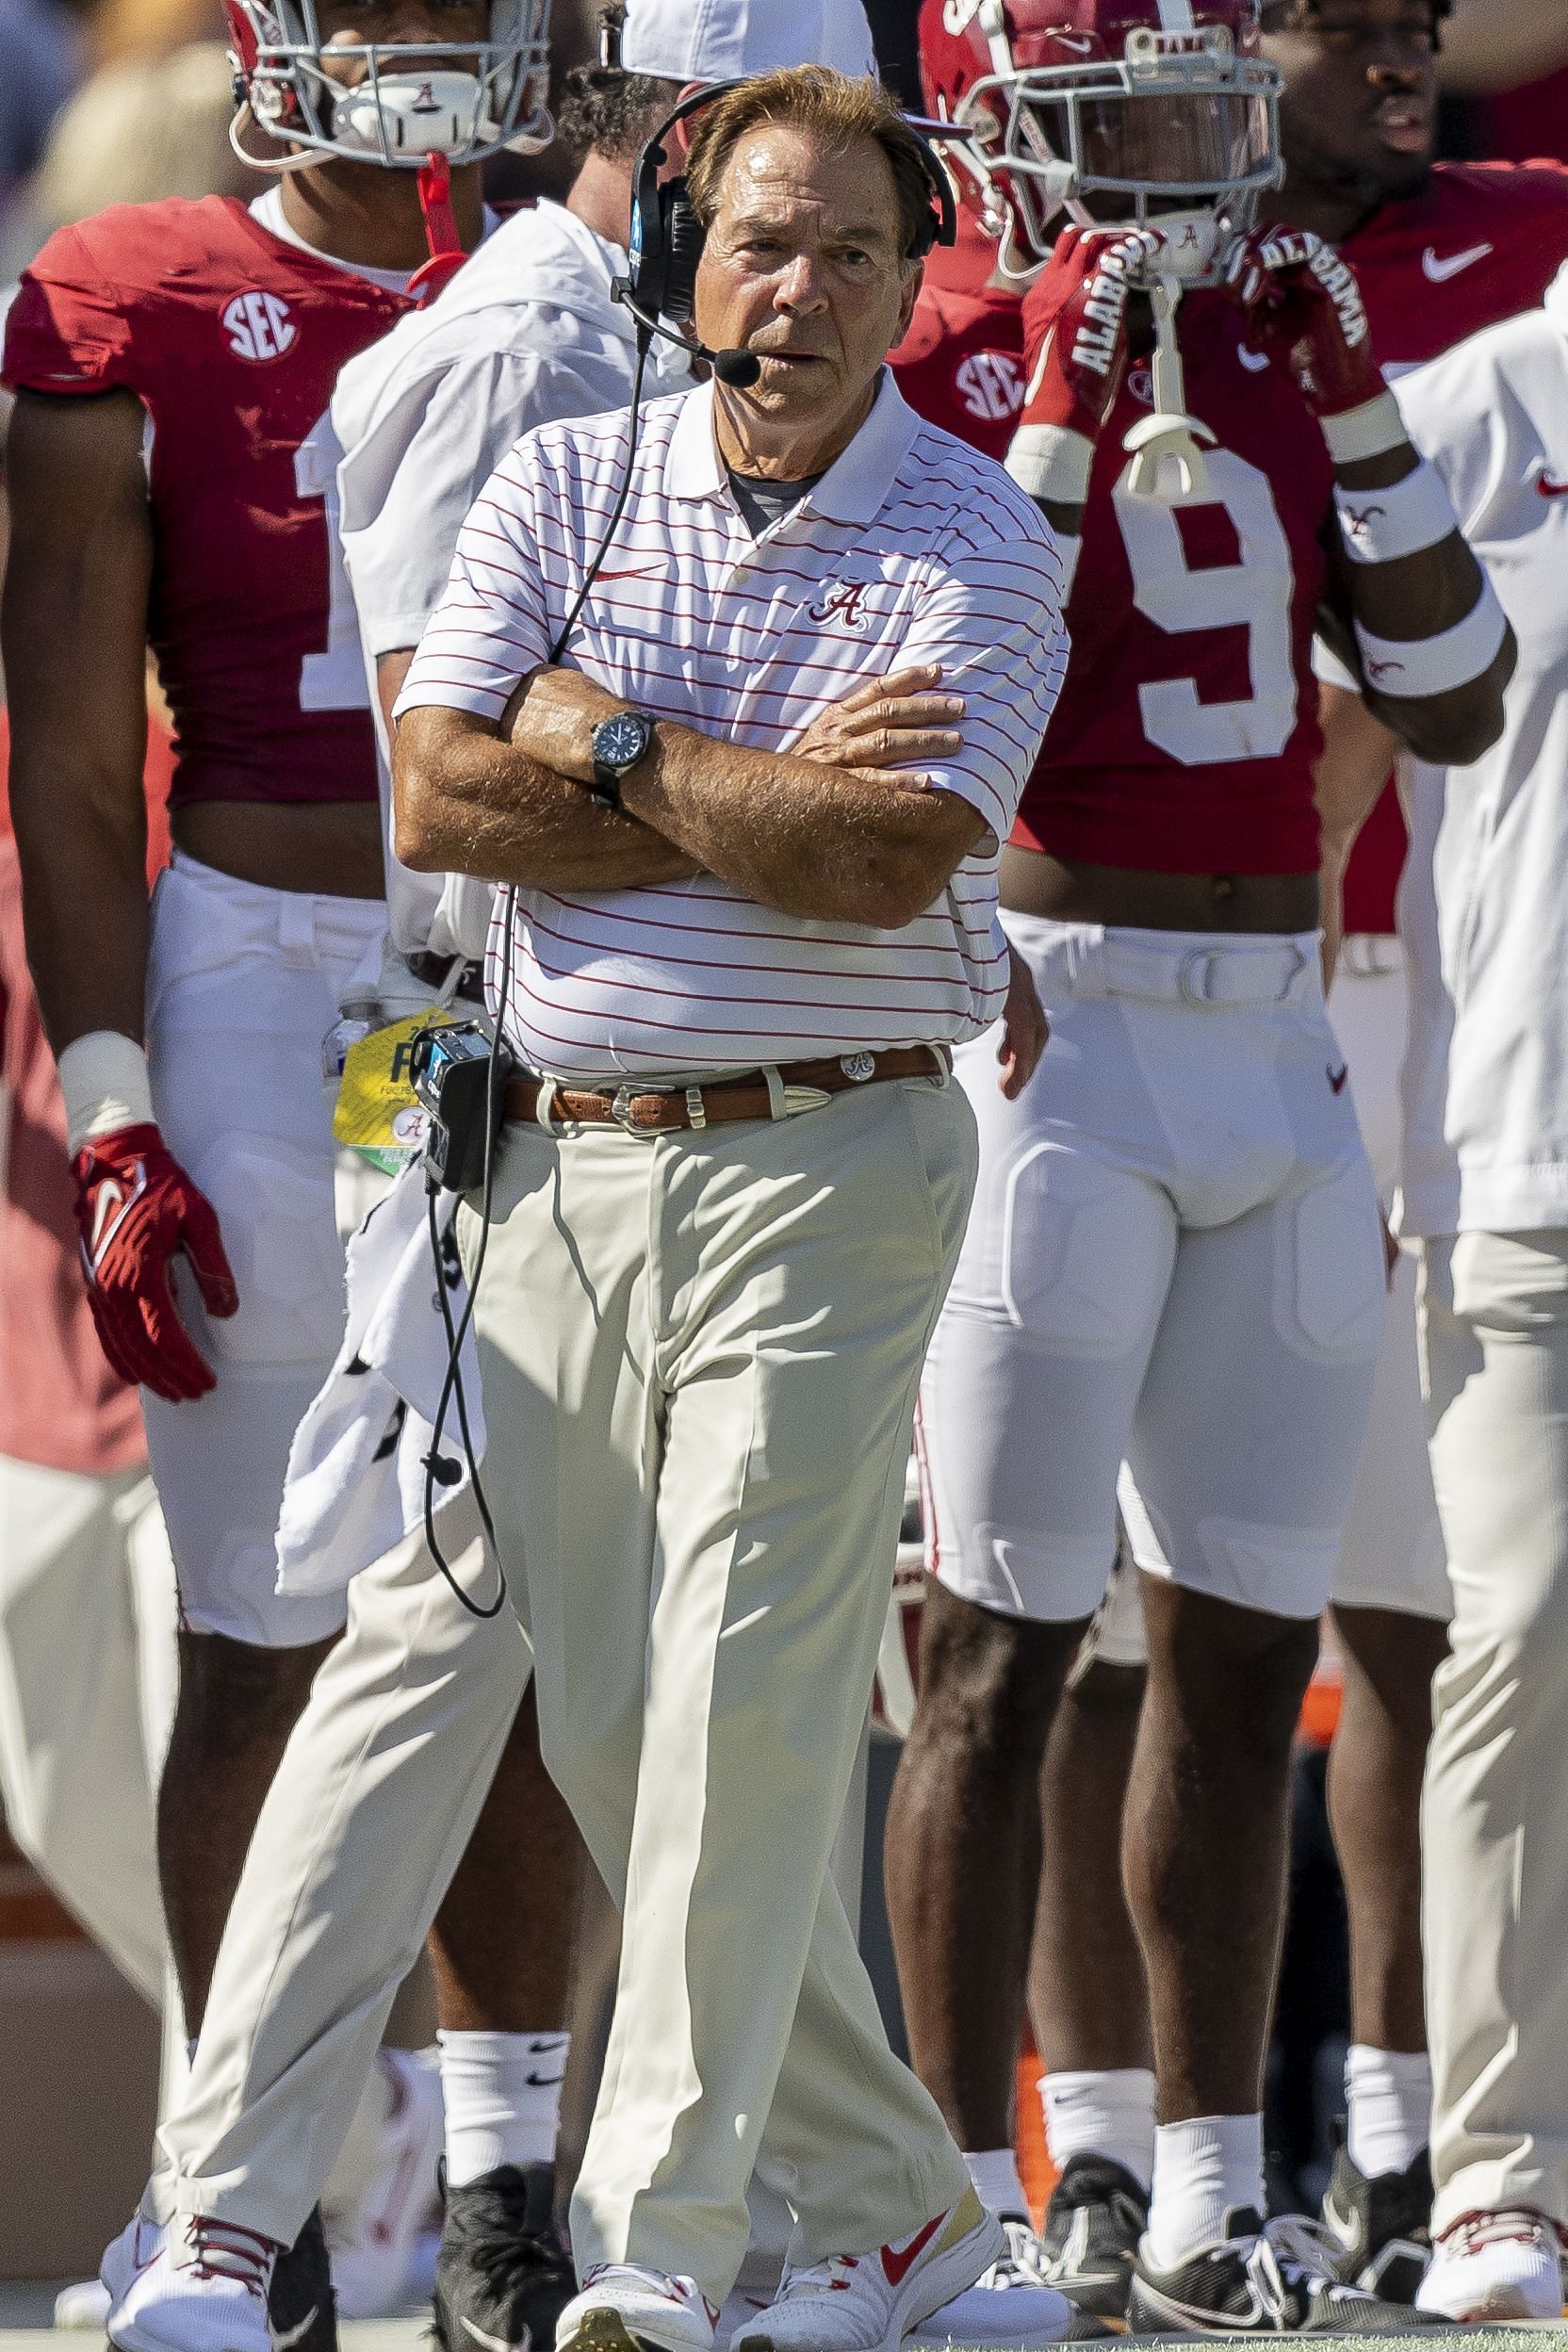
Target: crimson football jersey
x,y
1479,244
232,339
1186,730
961,364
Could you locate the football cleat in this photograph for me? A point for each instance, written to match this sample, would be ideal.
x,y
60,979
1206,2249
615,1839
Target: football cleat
x,y
300,2302
371,2242
85,2304
625,2308
195,2284
1383,2224
1500,2265
871,2302
1096,2217
504,2275
1011,2304
1261,2278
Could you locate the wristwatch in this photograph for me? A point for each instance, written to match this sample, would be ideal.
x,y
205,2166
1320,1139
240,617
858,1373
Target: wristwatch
x,y
617,743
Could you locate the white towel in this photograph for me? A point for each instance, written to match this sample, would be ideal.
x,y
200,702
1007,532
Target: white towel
x,y
356,1484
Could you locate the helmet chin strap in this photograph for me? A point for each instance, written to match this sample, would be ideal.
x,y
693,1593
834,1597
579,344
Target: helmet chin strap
x,y
447,255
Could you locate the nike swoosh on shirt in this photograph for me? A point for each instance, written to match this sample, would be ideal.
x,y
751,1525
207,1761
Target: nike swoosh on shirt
x,y
1254,362
1449,266
897,2265
1546,488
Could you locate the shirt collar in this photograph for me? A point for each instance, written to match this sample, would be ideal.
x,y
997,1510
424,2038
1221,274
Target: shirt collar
x,y
855,486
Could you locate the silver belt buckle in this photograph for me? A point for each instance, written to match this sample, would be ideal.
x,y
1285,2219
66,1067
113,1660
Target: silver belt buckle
x,y
857,1068
620,1111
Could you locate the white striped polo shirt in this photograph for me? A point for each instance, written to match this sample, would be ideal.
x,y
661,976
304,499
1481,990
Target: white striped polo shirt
x,y
913,548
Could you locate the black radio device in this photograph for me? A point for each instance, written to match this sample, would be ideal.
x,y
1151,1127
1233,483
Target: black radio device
x,y
450,1066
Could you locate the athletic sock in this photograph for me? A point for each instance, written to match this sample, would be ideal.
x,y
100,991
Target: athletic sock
x,y
503,2100
1102,2110
1388,2096
994,2173
1202,2169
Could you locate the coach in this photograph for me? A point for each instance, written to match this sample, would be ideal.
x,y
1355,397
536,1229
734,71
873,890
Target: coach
x,y
756,896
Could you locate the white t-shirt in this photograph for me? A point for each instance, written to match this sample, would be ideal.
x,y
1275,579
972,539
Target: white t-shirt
x,y
1483,904
525,332
912,547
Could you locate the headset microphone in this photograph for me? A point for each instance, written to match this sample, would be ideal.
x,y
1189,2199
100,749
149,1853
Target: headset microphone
x,y
737,368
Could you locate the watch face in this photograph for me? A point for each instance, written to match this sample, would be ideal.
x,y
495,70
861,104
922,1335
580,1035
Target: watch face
x,y
620,742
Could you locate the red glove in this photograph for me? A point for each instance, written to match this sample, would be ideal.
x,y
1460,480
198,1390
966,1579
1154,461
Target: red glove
x,y
136,1206
1303,306
1075,326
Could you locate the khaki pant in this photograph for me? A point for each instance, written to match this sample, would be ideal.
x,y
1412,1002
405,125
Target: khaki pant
x,y
700,1354
368,1818
1494,1345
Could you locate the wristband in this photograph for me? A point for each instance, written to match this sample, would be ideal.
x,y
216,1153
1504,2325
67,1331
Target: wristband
x,y
1052,462
1380,526
1370,431
1410,668
103,1080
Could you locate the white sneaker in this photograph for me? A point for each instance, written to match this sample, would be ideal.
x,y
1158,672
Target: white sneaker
x,y
624,2307
870,2302
372,2243
85,2304
197,2284
1012,2304
1502,2265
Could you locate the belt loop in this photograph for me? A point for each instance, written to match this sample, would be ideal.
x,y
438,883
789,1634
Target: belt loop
x,y
1085,963
544,1110
696,1109
777,1104
297,929
943,1060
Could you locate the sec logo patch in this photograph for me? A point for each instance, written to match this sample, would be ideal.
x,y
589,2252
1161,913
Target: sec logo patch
x,y
991,385
259,326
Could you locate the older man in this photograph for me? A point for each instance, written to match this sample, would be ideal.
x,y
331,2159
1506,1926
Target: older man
x,y
752,820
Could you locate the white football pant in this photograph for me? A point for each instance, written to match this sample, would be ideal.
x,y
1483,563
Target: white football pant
x,y
242,986
1174,1261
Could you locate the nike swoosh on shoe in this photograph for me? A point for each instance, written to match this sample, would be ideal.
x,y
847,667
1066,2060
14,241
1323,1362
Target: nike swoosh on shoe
x,y
285,2338
499,2343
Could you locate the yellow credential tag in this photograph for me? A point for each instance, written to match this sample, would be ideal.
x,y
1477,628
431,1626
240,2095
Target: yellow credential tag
x,y
378,1114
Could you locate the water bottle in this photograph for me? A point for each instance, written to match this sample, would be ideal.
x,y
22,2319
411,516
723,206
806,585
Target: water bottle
x,y
360,1014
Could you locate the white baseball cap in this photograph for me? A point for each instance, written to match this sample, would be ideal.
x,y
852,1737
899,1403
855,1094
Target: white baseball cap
x,y
712,40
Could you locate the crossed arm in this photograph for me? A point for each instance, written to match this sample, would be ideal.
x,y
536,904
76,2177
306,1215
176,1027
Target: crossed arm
x,y
840,829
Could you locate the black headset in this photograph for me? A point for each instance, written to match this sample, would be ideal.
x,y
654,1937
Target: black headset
x,y
666,241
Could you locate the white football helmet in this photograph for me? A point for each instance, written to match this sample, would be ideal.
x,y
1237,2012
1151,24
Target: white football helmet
x,y
457,99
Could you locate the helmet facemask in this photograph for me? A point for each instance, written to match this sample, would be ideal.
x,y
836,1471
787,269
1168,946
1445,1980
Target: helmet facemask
x,y
1180,134
409,99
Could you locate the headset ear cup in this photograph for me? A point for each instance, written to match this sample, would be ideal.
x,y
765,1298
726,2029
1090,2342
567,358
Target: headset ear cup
x,y
684,239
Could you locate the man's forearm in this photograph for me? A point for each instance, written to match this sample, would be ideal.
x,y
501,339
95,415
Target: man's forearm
x,y
85,912
477,805
808,840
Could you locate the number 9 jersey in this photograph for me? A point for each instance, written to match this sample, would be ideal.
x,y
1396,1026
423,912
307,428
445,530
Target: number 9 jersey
x,y
232,337
1186,732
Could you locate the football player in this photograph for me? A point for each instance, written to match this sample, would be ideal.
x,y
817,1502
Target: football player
x,y
1173,1256
1440,251
170,361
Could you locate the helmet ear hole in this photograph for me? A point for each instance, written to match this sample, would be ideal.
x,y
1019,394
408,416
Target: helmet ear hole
x,y
684,239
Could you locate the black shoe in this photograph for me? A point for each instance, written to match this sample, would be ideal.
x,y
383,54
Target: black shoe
x,y
1093,2223
1260,2278
300,2300
1383,2225
504,2275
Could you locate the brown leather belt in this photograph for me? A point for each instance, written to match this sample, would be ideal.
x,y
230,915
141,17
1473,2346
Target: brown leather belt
x,y
651,1112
